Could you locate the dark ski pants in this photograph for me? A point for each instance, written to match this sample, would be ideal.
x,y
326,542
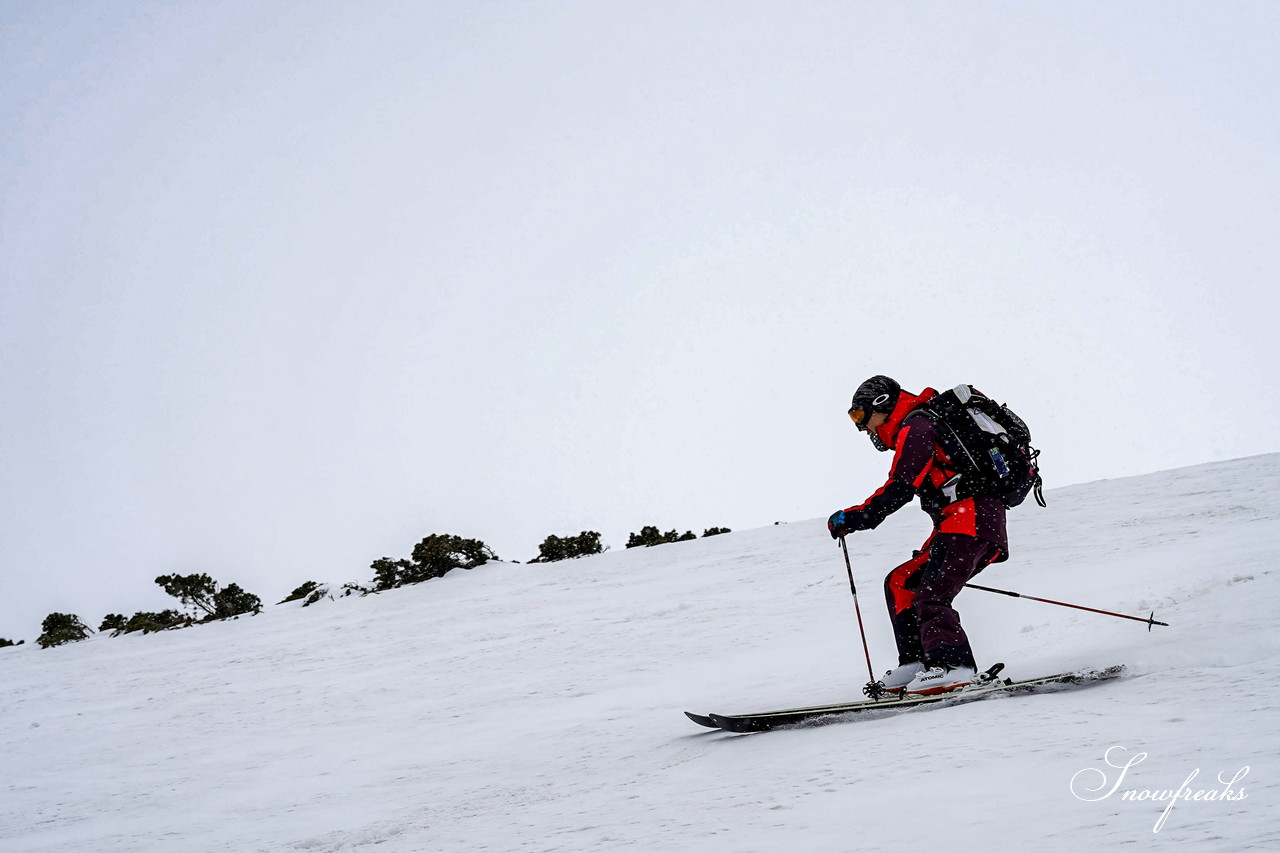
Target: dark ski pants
x,y
920,591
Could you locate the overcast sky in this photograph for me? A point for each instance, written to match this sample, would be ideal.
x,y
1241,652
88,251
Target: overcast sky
x,y
285,287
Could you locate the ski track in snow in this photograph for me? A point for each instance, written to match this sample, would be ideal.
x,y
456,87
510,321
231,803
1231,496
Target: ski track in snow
x,y
538,708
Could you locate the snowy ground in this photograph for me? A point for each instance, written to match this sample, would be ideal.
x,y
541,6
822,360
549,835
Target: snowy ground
x,y
539,707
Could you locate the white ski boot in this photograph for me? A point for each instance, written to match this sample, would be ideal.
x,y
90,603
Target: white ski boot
x,y
940,679
894,680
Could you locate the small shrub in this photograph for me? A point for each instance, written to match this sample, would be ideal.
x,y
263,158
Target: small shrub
x,y
61,628
201,594
389,573
301,592
149,623
4,643
649,536
194,591
439,554
433,557
555,548
715,531
646,538
310,591
233,601
112,622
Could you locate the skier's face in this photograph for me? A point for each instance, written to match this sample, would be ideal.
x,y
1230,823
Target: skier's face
x,y
871,422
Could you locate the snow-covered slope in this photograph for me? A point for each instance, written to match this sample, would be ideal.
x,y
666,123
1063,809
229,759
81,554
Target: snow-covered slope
x,y
520,707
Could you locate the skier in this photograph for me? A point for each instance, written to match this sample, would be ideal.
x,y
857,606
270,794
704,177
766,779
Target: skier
x,y
969,534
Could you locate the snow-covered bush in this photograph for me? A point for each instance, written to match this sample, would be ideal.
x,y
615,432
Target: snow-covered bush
x,y
433,557
60,628
556,548
310,592
649,536
202,595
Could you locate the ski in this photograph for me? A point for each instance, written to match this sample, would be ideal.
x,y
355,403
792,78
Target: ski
x,y
766,720
701,720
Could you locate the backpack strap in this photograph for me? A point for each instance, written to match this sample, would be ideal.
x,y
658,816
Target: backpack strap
x,y
1038,483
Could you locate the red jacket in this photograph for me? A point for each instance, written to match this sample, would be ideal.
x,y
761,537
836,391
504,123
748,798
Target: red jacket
x,y
921,467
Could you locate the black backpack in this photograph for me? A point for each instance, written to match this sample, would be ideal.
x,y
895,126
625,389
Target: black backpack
x,y
989,444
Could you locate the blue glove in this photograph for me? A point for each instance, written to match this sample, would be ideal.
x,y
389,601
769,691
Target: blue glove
x,y
840,523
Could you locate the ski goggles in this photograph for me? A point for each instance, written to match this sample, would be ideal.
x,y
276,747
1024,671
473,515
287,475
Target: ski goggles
x,y
859,416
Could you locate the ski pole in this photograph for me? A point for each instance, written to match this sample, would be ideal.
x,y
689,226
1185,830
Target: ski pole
x,y
854,589
1150,620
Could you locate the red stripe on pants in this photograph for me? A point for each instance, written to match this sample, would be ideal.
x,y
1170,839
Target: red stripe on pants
x,y
900,597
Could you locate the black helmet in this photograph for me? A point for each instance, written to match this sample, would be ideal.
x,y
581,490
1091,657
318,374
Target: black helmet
x,y
877,394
